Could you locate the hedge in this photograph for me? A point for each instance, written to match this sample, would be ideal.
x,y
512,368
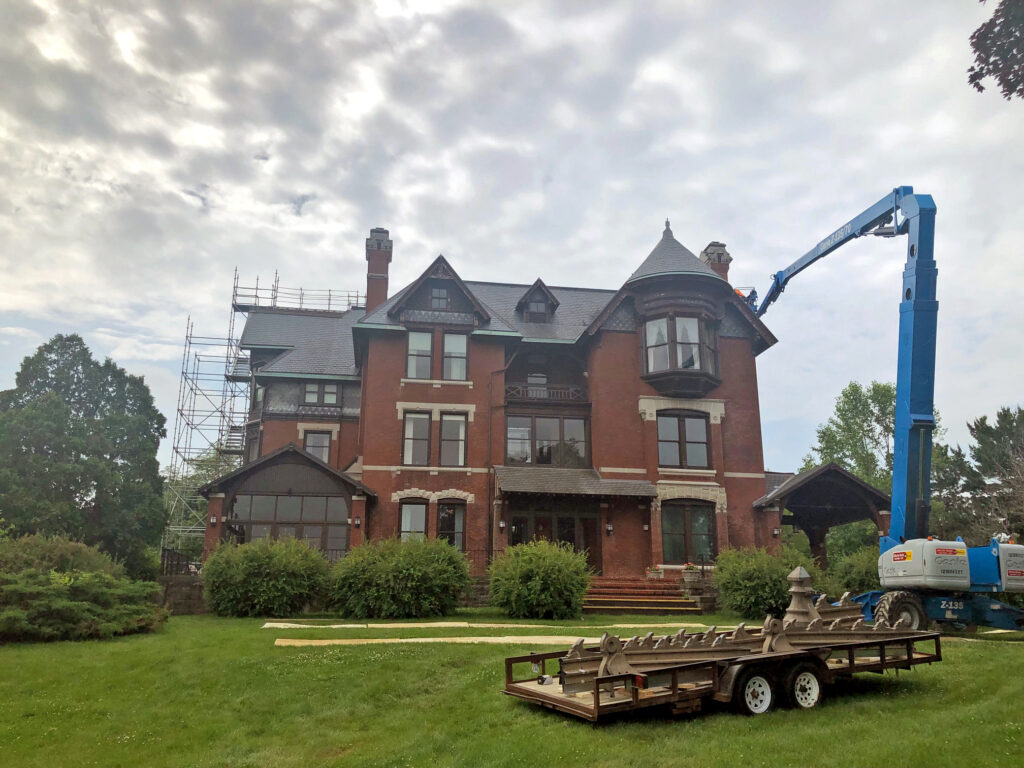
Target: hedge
x,y
392,579
753,582
54,553
540,580
50,605
264,578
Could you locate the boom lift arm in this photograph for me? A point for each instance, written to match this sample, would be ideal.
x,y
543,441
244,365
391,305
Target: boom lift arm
x,y
900,213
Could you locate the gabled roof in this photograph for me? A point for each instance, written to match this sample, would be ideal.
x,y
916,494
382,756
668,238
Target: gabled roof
x,y
830,472
577,307
670,257
439,268
538,286
312,342
270,458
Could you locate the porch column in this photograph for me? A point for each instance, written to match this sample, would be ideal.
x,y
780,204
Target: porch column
x,y
657,545
817,538
356,535
214,523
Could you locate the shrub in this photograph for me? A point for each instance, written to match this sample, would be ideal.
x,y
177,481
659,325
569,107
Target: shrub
x,y
540,580
264,578
143,563
855,573
54,553
51,605
753,582
392,579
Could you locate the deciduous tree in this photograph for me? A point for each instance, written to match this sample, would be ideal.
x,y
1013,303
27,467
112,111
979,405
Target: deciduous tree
x,y
998,47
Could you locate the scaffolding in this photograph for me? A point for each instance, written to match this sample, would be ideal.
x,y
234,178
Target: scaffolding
x,y
213,402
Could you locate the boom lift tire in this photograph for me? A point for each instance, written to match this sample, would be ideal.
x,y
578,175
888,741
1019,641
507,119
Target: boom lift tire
x,y
803,685
901,604
754,692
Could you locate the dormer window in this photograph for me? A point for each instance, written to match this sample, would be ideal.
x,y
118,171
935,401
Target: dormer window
x,y
536,312
680,355
439,299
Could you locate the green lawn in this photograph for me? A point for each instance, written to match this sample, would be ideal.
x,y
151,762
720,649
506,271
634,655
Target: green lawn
x,y
216,692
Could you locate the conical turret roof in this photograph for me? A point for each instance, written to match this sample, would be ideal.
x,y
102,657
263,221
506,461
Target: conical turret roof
x,y
670,257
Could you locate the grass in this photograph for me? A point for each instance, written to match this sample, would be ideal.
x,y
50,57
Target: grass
x,y
216,692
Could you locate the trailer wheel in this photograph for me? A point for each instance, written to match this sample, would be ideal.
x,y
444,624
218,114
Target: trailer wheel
x,y
901,604
803,685
754,693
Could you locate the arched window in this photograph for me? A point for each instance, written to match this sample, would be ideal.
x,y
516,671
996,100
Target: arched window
x,y
688,532
451,522
413,519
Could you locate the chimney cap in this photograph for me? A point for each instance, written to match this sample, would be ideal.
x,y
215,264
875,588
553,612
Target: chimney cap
x,y
379,231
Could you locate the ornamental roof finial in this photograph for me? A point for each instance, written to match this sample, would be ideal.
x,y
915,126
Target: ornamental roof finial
x,y
668,230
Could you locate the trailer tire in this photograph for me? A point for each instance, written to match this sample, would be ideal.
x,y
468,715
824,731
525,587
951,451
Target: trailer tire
x,y
754,692
803,685
901,604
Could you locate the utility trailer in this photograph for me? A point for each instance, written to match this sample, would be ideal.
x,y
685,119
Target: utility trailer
x,y
789,659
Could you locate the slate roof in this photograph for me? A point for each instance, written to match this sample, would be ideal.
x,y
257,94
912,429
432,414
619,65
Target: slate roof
x,y
577,308
670,257
316,343
571,482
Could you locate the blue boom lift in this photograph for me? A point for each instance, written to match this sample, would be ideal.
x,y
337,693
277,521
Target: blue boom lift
x,y
923,579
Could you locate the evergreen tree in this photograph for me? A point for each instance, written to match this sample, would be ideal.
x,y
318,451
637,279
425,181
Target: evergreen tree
x,y
78,443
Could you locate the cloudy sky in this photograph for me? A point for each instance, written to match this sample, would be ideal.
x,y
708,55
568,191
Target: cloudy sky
x,y
148,149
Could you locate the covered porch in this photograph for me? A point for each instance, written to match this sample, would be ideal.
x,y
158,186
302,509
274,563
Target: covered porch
x,y
824,497
607,519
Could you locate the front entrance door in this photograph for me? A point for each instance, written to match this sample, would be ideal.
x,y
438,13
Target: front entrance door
x,y
577,526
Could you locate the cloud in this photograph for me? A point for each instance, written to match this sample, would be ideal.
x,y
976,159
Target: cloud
x,y
147,149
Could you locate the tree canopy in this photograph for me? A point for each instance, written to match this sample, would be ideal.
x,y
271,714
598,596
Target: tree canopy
x,y
976,493
78,443
998,47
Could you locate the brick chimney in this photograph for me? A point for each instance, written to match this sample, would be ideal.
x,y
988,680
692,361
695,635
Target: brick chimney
x,y
716,257
378,256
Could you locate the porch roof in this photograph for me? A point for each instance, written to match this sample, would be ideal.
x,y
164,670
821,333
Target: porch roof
x,y
557,481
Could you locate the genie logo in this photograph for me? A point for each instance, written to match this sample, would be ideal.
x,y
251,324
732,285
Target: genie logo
x,y
835,237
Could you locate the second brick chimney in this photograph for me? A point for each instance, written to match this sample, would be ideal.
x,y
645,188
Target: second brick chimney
x,y
716,257
378,257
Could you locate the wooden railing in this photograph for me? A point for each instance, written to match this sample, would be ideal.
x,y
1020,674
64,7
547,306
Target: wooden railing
x,y
549,392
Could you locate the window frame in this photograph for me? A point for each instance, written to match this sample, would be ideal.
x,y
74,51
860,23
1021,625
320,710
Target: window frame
x,y
240,527
430,427
682,440
321,393
536,311
441,440
318,432
687,507
445,356
401,517
706,344
440,533
439,293
534,453
410,355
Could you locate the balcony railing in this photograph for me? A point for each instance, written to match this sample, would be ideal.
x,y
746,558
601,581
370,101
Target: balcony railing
x,y
546,392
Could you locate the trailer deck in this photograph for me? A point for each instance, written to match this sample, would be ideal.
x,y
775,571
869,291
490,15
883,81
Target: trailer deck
x,y
788,659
